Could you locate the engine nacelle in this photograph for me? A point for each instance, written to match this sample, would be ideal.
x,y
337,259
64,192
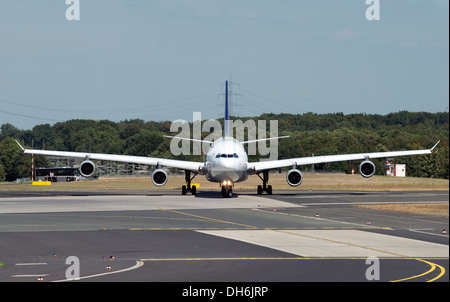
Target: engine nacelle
x,y
87,168
367,168
159,177
294,177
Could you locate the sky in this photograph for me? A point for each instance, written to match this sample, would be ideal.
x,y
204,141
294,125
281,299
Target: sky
x,y
165,59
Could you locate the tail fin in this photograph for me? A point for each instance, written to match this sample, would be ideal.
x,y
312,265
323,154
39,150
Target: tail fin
x,y
226,120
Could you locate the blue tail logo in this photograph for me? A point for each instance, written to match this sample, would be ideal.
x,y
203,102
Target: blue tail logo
x,y
226,120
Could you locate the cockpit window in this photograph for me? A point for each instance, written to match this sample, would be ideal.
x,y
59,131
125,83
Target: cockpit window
x,y
219,155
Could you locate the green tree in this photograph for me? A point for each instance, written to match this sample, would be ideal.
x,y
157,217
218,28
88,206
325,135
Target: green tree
x,y
2,173
311,133
143,143
14,161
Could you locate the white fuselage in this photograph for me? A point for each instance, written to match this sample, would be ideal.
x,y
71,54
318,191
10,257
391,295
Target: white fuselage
x,y
226,161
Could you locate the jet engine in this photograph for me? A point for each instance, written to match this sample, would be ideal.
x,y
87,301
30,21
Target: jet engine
x,y
159,177
294,177
367,168
87,168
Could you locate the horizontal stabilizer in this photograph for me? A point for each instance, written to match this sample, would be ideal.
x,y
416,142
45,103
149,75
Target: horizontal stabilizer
x,y
263,139
189,139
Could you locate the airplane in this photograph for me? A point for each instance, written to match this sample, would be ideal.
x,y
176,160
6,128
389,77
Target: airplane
x,y
227,162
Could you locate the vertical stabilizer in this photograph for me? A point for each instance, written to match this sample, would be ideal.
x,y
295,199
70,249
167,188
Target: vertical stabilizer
x,y
226,119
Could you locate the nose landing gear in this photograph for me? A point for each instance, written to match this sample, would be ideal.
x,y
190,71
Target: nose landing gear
x,y
227,188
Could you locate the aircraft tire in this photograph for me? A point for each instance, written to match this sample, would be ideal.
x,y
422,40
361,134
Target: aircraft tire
x,y
259,190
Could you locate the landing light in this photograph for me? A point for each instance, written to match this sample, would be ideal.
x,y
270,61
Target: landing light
x,y
226,183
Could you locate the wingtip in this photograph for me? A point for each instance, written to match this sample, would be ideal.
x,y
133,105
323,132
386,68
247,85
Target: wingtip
x,y
23,149
435,145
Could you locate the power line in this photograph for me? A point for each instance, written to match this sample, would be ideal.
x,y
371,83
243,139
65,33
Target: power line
x,y
29,116
263,101
41,108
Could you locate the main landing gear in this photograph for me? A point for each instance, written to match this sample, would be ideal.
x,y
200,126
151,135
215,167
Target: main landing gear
x,y
227,188
188,188
264,188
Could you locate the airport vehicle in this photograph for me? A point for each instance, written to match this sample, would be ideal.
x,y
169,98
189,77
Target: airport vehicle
x,y
57,174
227,162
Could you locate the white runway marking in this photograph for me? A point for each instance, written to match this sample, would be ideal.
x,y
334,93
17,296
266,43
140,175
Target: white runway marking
x,y
52,204
136,266
335,243
29,276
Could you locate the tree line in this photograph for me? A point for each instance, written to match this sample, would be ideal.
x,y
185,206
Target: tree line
x,y
310,134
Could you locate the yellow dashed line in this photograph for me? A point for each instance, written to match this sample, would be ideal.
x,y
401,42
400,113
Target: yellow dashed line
x,y
208,219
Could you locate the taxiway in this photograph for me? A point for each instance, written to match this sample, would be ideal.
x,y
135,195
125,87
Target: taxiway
x,y
161,236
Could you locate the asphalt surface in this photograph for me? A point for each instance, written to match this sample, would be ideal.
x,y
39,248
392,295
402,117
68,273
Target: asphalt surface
x,y
160,236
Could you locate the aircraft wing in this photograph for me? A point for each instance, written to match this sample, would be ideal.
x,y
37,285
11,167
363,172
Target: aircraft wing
x,y
153,161
256,167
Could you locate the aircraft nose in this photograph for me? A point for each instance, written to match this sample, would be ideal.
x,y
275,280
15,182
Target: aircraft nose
x,y
228,163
